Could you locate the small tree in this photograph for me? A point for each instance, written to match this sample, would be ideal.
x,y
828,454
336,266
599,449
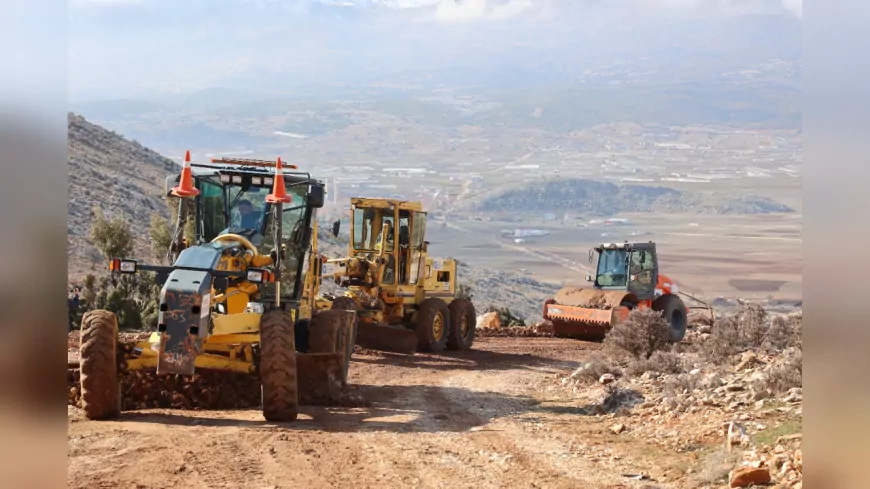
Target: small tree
x,y
112,237
133,297
174,204
160,233
90,290
464,292
94,256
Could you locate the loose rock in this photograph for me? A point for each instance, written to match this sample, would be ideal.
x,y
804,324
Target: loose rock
x,y
747,476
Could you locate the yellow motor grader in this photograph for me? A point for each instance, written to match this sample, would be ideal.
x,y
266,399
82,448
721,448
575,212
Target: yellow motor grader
x,y
404,299
234,298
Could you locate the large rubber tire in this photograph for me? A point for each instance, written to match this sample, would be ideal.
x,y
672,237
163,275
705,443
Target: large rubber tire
x,y
432,325
101,391
278,367
463,324
674,312
327,336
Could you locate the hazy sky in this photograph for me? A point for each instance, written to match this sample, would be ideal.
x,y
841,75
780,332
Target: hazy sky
x,y
125,47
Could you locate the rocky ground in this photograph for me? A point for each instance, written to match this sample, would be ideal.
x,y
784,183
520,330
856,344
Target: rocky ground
x,y
729,395
523,409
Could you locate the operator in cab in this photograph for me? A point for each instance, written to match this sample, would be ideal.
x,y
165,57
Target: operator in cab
x,y
250,217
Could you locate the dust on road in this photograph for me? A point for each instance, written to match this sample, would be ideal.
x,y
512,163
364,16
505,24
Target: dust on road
x,y
474,419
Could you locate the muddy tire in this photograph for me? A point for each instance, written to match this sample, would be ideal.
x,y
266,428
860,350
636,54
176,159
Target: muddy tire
x,y
432,325
100,389
674,312
327,335
347,304
463,324
278,367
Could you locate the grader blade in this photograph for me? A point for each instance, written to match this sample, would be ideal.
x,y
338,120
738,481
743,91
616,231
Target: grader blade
x,y
386,338
318,377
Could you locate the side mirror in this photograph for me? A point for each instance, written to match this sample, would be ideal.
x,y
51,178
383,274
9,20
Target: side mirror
x,y
589,278
336,226
316,196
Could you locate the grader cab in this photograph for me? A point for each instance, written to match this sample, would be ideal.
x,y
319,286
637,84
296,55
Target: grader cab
x,y
234,298
404,299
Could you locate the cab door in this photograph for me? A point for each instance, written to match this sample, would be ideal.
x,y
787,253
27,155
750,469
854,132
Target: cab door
x,y
418,231
211,216
643,271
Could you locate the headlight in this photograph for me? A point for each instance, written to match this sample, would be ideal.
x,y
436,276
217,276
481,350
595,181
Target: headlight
x,y
123,266
237,179
268,180
225,178
257,180
259,276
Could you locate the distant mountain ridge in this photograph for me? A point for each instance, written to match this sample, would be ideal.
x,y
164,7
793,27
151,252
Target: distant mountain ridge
x,y
606,199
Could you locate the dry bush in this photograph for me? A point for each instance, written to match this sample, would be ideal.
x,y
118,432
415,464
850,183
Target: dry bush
x,y
619,397
784,333
665,362
643,333
679,385
598,365
751,329
754,325
715,467
677,392
677,404
725,341
787,374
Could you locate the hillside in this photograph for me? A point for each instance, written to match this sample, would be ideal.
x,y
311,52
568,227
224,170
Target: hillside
x,y
604,199
524,296
119,176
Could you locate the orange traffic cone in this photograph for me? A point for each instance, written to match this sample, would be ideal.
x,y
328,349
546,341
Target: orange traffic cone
x,y
279,193
185,188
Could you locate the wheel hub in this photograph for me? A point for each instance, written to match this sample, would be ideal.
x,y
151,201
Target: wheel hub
x,y
463,326
438,327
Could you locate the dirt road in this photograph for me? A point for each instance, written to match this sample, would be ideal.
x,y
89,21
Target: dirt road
x,y
493,417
